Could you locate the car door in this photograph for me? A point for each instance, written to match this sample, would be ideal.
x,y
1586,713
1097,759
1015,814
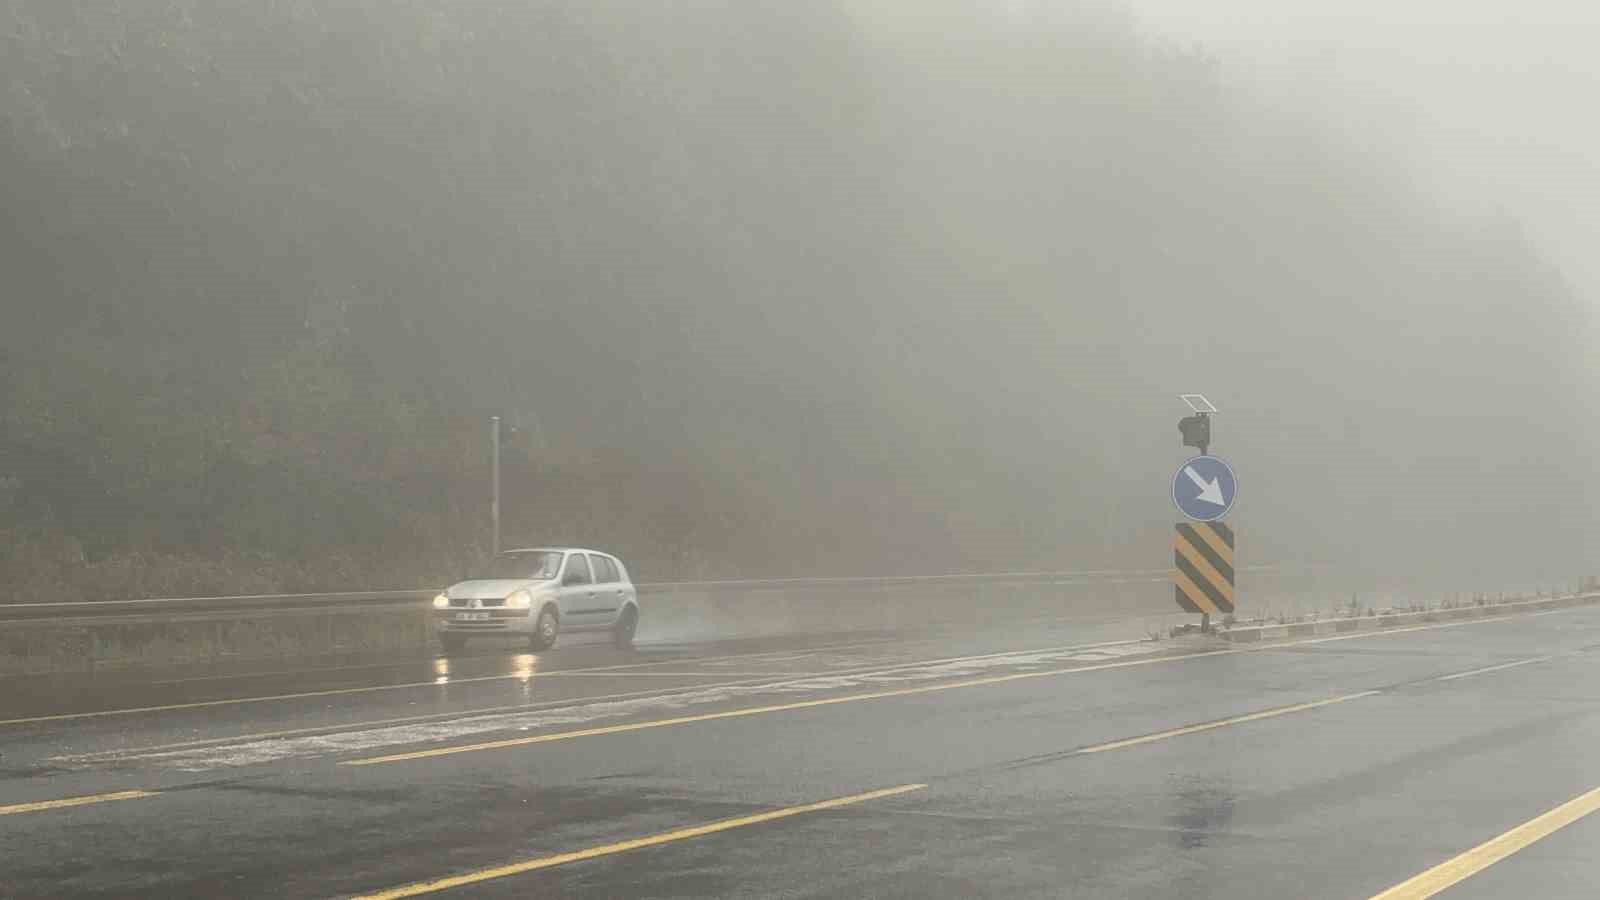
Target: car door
x,y
577,597
629,591
608,586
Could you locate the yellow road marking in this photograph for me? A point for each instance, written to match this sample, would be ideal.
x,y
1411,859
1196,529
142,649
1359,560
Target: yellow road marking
x,y
1492,851
1223,723
1195,594
762,710
73,801
667,837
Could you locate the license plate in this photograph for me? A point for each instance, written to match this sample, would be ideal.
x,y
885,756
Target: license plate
x,y
472,617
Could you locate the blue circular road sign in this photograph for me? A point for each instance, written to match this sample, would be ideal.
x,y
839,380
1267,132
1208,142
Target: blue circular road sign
x,y
1204,488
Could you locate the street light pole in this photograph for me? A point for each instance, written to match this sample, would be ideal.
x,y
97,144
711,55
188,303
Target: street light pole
x,y
494,496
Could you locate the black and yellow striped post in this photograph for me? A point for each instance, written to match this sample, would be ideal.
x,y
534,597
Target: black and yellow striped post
x,y
1203,575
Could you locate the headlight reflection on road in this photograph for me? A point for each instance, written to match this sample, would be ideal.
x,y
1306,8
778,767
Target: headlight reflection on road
x,y
441,671
524,666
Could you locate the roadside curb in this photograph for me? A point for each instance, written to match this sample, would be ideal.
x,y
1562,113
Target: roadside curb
x,y
1388,621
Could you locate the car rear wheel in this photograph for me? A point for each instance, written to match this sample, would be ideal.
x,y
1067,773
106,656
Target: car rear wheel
x,y
453,643
545,630
622,632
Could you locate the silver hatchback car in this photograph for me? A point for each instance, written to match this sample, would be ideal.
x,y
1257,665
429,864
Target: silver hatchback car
x,y
541,592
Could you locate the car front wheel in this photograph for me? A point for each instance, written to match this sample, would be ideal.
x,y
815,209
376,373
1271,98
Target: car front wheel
x,y
545,630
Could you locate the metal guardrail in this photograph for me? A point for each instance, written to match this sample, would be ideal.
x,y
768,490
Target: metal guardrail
x,y
1110,576
16,612
178,605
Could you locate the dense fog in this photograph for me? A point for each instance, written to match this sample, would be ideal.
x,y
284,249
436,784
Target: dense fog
x,y
759,288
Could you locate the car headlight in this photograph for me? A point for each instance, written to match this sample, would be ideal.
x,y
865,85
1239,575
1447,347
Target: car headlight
x,y
520,600
442,601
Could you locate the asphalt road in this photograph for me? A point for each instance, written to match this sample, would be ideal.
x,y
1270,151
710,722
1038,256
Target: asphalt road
x,y
1049,758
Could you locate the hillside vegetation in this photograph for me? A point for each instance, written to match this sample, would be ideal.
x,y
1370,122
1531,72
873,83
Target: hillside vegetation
x,y
765,288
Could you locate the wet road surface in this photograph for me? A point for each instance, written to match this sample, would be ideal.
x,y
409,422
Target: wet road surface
x,y
1049,758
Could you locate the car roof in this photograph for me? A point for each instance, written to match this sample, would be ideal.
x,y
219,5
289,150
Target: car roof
x,y
557,550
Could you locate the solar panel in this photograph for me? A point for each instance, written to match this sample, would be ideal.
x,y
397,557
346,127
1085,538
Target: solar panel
x,y
1198,403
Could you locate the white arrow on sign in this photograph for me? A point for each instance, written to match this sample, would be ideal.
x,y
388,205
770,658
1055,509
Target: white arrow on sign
x,y
1210,491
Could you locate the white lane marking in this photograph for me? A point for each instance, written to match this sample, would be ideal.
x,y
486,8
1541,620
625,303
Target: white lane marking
x,y
435,683
113,755
1499,668
763,678
771,673
443,720
771,659
251,752
1222,723
243,676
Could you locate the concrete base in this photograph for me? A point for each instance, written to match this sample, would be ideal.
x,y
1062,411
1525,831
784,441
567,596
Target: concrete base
x,y
1255,633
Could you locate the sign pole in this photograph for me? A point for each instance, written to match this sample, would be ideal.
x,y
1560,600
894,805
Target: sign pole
x,y
494,481
1203,489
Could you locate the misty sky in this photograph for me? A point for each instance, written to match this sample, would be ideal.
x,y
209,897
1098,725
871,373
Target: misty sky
x,y
773,288
1492,102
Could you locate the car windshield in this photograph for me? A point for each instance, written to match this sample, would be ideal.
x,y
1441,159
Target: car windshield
x,y
523,565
